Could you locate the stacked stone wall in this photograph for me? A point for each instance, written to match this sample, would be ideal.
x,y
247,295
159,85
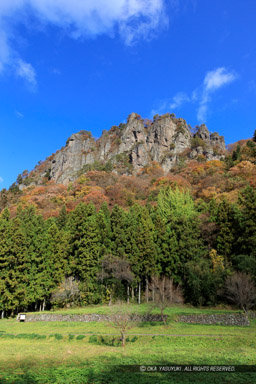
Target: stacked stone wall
x,y
84,317
237,319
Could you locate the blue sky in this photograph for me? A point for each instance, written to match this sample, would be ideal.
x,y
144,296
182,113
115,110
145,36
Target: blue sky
x,y
87,64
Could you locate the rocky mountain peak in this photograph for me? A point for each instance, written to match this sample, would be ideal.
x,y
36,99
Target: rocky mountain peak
x,y
131,146
203,133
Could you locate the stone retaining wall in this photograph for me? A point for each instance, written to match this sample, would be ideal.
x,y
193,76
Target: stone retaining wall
x,y
237,319
217,319
85,317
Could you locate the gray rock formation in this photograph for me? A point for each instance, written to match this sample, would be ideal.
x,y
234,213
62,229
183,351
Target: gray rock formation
x,y
134,145
211,146
69,160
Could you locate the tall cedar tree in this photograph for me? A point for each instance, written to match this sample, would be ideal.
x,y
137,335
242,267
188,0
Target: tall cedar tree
x,y
118,232
57,252
245,259
104,226
184,240
132,246
33,227
62,218
146,245
5,261
226,233
85,248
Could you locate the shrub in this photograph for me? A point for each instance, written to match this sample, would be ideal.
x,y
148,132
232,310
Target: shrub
x,y
93,339
80,337
180,129
197,142
118,141
71,337
58,336
201,158
250,144
30,336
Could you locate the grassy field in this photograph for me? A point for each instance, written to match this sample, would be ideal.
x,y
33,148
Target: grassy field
x,y
142,308
79,353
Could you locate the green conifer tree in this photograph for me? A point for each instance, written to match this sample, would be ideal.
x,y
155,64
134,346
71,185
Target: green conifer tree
x,y
85,249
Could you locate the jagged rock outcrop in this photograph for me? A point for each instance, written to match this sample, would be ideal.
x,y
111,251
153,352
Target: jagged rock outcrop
x,y
211,146
134,145
69,160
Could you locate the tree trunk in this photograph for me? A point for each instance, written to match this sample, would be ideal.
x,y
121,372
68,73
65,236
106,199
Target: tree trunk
x,y
43,304
132,294
123,339
2,314
171,290
146,289
139,292
162,315
164,288
128,294
153,293
110,299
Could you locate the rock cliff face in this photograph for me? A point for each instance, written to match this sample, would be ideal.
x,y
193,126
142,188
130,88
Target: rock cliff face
x,y
134,145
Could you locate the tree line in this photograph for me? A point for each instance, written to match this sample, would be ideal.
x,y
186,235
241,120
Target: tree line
x,y
87,256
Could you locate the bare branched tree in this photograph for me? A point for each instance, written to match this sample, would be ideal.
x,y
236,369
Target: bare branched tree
x,y
165,293
240,290
123,320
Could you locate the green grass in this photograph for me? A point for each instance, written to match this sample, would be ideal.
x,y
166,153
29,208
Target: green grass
x,y
81,353
142,308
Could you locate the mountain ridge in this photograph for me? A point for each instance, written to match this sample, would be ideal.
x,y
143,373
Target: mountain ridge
x,y
130,164
129,147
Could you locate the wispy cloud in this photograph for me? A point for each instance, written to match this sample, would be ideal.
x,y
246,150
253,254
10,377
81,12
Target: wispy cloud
x,y
56,71
218,78
252,85
132,20
213,81
176,102
202,95
179,99
26,72
19,114
1,179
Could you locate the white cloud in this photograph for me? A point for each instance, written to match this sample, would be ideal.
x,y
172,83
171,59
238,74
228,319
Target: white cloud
x,y
1,179
26,72
131,19
178,100
217,78
202,95
202,113
212,82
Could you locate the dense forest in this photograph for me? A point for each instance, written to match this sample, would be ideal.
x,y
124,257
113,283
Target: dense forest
x,y
94,242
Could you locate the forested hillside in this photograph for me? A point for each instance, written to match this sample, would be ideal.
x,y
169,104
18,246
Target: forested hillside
x,y
105,236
